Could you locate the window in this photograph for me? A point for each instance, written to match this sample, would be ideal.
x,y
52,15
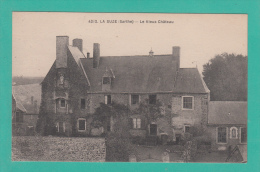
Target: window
x,y
108,99
106,80
152,99
222,135
82,103
243,135
60,127
233,132
134,99
186,128
136,123
62,103
187,102
81,124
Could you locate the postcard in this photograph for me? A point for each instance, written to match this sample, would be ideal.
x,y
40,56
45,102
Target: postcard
x,y
129,87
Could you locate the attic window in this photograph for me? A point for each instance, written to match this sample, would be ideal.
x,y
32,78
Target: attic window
x,y
106,80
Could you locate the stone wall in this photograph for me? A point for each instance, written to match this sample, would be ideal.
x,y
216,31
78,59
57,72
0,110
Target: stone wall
x,y
29,148
195,117
174,118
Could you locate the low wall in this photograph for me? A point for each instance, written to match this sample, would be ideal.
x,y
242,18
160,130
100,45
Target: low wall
x,y
31,148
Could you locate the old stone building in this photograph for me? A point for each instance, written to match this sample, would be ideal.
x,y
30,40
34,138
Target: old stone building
x,y
76,85
26,101
227,124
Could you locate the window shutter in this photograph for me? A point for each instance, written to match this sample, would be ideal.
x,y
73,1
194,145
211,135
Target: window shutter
x,y
130,123
105,99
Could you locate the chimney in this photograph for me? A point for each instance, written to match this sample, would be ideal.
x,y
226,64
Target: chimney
x,y
88,55
96,55
77,43
62,43
176,55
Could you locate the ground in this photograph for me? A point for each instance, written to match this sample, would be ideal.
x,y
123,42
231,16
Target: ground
x,y
23,151
154,153
217,157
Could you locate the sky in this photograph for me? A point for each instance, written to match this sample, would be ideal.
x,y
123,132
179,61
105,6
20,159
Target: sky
x,y
200,36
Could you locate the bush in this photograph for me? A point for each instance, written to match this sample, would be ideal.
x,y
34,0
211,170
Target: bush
x,y
118,142
118,148
138,140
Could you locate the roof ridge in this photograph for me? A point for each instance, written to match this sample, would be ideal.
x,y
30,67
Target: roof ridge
x,y
133,56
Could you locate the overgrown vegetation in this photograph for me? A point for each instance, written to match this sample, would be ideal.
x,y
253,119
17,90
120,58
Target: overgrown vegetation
x,y
150,111
226,77
118,142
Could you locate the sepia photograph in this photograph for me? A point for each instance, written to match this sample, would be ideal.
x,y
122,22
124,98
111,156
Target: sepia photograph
x,y
129,87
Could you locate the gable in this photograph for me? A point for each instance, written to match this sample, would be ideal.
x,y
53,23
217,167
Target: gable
x,y
74,65
189,81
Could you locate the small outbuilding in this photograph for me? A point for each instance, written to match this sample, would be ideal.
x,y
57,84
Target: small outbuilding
x,y
227,124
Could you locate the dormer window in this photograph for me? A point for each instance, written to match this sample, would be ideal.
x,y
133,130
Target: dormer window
x,y
106,80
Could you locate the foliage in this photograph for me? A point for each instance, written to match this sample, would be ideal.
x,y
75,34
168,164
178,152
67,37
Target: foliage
x,y
41,122
226,77
44,125
196,130
104,112
190,151
151,111
118,142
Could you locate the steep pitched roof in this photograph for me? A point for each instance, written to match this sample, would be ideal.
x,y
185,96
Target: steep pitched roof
x,y
23,94
189,80
227,112
77,54
144,74
133,74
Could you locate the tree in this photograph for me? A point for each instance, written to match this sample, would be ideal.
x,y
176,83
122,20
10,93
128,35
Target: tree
x,y
150,111
118,142
226,77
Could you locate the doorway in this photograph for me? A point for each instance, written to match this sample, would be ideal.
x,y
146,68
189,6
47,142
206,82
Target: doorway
x,y
153,129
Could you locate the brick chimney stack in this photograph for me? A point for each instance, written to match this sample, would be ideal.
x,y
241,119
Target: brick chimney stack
x,y
62,43
96,55
176,55
78,43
